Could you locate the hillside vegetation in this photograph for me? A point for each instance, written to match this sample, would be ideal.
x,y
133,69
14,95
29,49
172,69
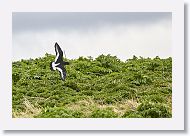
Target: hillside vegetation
x,y
104,87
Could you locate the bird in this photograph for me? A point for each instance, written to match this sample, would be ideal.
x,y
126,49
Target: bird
x,y
59,64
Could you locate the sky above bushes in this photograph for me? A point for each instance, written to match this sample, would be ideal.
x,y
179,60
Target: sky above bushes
x,y
124,34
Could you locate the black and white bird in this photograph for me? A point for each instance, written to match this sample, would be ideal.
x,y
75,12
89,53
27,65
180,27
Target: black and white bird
x,y
59,64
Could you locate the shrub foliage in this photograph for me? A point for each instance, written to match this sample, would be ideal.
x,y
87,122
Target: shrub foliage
x,y
104,87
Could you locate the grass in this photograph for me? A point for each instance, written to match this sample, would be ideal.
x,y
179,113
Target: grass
x,y
29,110
104,87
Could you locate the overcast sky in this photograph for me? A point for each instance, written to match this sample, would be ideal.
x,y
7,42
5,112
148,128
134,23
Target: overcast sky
x,y
123,34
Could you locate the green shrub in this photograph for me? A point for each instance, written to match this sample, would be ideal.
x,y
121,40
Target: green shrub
x,y
105,80
103,113
154,110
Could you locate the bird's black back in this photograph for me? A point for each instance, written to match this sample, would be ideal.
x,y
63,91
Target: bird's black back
x,y
60,57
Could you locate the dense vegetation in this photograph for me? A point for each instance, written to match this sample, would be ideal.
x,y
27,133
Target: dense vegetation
x,y
104,87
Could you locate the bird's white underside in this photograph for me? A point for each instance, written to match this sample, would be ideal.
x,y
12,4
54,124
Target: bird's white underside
x,y
54,65
57,68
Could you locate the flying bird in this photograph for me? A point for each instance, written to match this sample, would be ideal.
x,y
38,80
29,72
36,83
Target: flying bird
x,y
59,64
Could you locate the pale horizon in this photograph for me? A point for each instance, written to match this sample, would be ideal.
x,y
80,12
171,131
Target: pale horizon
x,y
122,34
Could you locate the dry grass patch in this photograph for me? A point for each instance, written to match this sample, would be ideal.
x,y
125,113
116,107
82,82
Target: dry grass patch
x,y
87,106
169,102
30,110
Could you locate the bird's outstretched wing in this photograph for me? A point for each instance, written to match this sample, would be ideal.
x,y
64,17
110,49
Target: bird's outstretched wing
x,y
59,54
62,71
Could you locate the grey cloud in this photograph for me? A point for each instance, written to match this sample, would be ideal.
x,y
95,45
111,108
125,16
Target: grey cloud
x,y
39,21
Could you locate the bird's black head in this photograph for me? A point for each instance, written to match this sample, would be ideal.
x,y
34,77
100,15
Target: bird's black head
x,y
66,63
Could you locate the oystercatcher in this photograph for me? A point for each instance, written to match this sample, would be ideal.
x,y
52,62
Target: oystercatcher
x,y
59,64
